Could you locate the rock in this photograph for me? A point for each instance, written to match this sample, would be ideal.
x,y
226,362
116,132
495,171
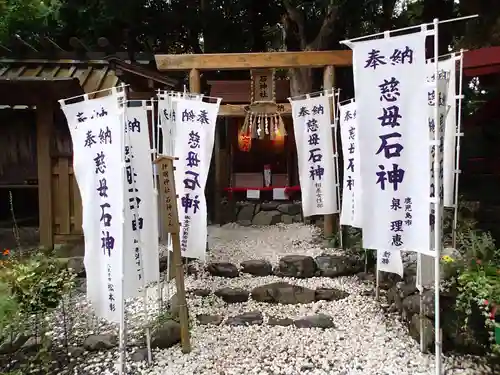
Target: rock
x,y
428,331
140,355
289,208
257,267
282,292
246,212
245,223
300,266
207,319
284,322
76,351
297,218
167,335
200,292
267,218
411,305
399,292
76,264
365,276
174,306
11,346
388,280
269,206
223,269
249,318
330,294
232,295
315,321
286,219
100,342
338,265
192,270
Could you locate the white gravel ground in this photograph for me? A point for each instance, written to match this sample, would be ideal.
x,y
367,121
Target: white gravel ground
x,y
364,341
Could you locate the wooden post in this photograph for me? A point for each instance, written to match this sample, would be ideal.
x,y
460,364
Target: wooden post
x,y
168,199
218,176
44,126
330,221
194,81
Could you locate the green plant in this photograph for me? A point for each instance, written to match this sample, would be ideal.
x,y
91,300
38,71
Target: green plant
x,y
37,284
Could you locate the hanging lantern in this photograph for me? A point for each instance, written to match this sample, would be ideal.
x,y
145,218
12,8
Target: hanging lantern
x,y
279,139
244,140
262,116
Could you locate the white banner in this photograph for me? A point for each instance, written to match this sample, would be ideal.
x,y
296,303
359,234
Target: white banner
x,y
313,135
194,145
390,261
351,191
98,144
391,98
447,72
141,216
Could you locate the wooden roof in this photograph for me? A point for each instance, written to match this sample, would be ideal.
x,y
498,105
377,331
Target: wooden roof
x,y
238,91
28,82
482,61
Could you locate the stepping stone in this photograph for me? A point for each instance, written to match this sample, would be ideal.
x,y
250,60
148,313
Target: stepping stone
x,y
330,294
249,318
232,295
257,267
223,269
200,292
338,265
207,319
284,293
299,266
284,322
315,321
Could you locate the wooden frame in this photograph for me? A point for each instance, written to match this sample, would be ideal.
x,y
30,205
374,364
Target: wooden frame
x,y
193,63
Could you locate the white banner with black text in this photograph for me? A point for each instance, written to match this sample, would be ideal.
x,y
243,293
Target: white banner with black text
x,y
141,215
314,142
350,213
391,98
98,144
194,142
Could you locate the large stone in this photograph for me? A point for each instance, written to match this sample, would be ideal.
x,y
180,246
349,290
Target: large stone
x,y
223,269
284,322
76,264
267,218
200,292
257,267
330,294
427,330
284,293
338,265
299,266
232,295
100,342
315,321
269,206
399,292
286,219
167,335
140,355
13,345
289,208
246,212
411,305
246,319
207,319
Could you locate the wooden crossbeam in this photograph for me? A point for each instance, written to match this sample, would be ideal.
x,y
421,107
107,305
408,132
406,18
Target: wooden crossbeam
x,y
237,110
243,61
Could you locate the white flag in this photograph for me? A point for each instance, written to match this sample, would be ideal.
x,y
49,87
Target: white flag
x,y
141,215
351,191
194,145
98,144
313,135
391,98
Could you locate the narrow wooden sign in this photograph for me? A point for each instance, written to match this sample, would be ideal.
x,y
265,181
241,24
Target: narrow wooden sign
x,y
167,194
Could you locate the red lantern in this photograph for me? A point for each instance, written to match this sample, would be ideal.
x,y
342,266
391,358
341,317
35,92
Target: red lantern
x,y
244,141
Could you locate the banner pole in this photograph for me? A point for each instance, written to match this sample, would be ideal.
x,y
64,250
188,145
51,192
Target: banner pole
x,y
437,209
458,140
336,127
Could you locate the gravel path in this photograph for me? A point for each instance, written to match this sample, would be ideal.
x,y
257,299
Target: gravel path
x,y
365,339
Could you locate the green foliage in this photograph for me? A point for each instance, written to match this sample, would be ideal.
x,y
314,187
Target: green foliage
x,y
38,283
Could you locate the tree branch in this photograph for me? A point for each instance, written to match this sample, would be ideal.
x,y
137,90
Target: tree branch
x,y
319,43
298,18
